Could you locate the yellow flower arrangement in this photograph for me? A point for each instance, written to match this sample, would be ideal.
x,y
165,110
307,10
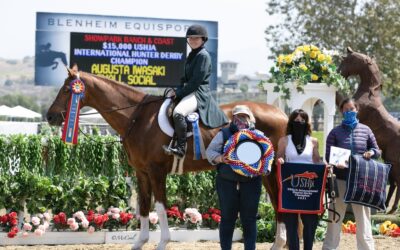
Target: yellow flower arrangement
x,y
307,63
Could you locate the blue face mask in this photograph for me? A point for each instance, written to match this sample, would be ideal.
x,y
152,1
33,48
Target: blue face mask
x,y
350,119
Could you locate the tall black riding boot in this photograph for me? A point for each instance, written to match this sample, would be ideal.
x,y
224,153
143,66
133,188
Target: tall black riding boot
x,y
180,130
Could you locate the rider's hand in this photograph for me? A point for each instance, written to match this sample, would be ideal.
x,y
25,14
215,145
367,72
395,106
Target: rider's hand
x,y
368,154
281,160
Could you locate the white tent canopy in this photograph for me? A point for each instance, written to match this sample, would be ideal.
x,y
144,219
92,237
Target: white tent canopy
x,y
5,110
18,112
22,112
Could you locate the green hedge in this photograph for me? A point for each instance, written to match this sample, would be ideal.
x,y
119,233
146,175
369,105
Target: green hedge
x,y
49,174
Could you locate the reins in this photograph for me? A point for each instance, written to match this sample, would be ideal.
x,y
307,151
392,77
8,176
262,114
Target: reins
x,y
133,117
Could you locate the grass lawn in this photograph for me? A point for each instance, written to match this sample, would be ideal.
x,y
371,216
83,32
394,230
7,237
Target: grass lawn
x,y
320,136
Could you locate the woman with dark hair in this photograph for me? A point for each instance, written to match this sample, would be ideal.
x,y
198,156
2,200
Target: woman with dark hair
x,y
299,147
358,138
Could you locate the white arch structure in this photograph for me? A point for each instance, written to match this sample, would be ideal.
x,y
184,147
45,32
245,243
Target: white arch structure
x,y
306,101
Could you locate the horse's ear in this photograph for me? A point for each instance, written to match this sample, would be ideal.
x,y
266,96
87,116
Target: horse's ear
x,y
75,68
71,72
349,50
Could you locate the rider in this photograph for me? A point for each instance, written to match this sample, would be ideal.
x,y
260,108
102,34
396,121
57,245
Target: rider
x,y
194,92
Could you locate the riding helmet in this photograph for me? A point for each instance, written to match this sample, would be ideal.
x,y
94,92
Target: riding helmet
x,y
197,31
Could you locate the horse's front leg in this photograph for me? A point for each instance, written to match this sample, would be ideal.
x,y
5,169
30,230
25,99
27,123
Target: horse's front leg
x,y
158,184
144,194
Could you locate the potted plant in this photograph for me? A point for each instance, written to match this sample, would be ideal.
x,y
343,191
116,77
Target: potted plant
x,y
307,63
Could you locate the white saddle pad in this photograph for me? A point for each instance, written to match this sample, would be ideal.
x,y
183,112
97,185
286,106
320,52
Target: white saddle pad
x,y
163,120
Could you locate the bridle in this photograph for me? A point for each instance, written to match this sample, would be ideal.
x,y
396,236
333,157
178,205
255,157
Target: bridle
x,y
133,118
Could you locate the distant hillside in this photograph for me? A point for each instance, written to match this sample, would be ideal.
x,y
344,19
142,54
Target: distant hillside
x,y
17,69
17,78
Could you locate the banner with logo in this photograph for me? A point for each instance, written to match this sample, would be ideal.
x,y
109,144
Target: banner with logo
x,y
141,52
301,187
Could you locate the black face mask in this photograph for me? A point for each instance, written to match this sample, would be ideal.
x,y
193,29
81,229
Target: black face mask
x,y
299,136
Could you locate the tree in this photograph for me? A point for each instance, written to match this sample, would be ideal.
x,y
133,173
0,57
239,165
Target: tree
x,y
371,27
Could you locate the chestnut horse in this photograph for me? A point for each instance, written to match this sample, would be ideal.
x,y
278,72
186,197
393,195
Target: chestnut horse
x,y
142,139
372,113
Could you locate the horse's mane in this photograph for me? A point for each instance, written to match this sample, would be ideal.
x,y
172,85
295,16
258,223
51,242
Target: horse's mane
x,y
113,82
122,85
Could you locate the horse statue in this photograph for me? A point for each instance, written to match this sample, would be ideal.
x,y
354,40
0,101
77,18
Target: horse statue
x,y
46,57
142,139
372,113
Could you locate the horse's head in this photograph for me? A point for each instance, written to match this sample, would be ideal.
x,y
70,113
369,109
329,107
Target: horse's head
x,y
354,63
55,114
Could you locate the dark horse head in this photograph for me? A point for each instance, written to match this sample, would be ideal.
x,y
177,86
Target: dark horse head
x,y
357,64
362,65
46,57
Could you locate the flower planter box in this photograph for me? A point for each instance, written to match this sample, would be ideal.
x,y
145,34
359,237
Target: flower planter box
x,y
54,238
116,237
127,237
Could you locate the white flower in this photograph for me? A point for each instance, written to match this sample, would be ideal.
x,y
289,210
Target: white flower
x,y
39,232
298,55
42,227
91,229
47,216
153,217
85,223
74,226
330,52
71,221
193,215
116,216
27,227
115,210
35,221
80,215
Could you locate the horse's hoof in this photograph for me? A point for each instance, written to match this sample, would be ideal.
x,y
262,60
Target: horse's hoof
x,y
139,244
162,246
134,247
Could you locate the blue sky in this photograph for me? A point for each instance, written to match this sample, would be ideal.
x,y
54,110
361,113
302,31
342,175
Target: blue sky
x,y
241,23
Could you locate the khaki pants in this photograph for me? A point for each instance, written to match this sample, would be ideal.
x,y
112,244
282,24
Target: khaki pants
x,y
362,215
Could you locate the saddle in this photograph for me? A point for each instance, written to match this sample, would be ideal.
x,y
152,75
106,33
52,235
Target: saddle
x,y
165,122
170,111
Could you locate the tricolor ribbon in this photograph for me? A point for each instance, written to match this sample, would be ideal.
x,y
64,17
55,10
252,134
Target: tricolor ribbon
x,y
71,123
198,145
